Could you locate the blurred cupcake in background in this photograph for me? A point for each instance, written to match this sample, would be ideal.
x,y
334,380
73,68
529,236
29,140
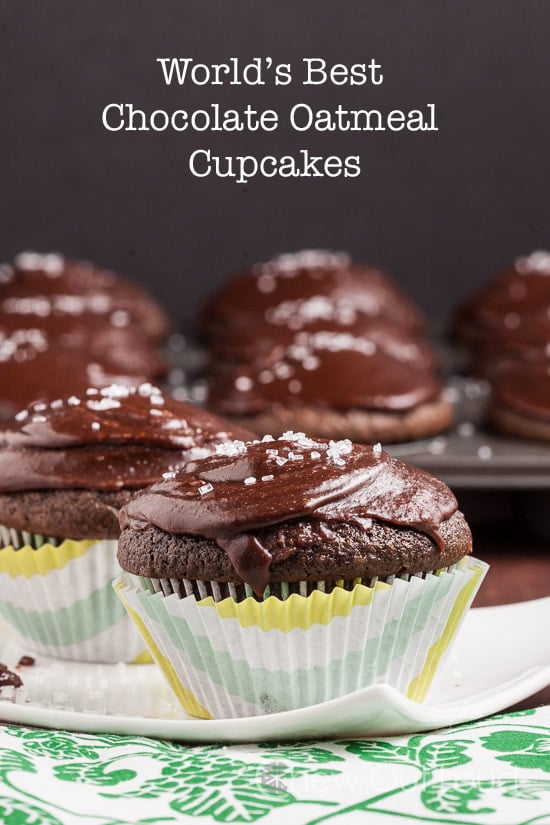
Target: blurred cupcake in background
x,y
62,318
505,329
313,341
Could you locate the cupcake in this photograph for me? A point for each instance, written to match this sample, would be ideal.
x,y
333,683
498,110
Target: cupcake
x,y
298,289
312,341
54,286
520,402
506,328
513,303
332,384
38,366
66,468
61,317
281,573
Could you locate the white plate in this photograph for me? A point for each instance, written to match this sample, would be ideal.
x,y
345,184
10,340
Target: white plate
x,y
502,655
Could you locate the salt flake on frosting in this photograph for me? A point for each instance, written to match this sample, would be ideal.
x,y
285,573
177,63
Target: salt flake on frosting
x,y
231,448
103,404
52,263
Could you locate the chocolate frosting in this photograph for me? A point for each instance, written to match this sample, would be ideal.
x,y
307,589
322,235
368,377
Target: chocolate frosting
x,y
297,289
107,439
524,387
34,369
246,343
54,287
332,369
231,496
514,303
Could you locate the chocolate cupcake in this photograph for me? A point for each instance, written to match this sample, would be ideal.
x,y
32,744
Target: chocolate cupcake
x,y
282,573
333,384
514,303
506,328
314,342
36,366
66,326
297,289
53,286
66,468
520,404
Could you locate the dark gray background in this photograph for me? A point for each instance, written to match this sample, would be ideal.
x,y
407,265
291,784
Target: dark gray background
x,y
440,210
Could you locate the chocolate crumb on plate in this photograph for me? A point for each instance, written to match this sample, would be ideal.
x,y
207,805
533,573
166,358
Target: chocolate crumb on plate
x,y
8,678
26,661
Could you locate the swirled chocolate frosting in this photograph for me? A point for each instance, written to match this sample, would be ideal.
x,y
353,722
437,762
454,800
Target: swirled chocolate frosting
x,y
231,496
105,439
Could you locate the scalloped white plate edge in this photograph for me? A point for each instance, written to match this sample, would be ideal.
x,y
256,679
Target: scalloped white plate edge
x,y
501,656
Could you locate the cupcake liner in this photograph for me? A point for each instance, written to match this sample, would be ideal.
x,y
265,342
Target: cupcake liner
x,y
233,658
58,599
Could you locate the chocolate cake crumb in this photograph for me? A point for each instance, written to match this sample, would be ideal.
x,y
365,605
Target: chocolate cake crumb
x,y
9,679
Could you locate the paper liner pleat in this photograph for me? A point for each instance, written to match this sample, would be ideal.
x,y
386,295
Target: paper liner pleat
x,y
58,600
231,658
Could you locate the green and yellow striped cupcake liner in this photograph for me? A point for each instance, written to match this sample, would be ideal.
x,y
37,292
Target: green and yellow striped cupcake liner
x,y
233,658
58,600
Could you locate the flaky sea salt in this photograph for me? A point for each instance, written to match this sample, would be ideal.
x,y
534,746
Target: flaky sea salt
x,y
205,488
51,264
231,448
103,404
268,477
250,480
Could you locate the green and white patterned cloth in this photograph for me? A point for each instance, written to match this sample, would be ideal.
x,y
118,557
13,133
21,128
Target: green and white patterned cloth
x,y
493,771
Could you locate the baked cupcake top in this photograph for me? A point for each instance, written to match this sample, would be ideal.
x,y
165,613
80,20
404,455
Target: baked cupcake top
x,y
329,369
51,287
295,290
105,439
261,501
